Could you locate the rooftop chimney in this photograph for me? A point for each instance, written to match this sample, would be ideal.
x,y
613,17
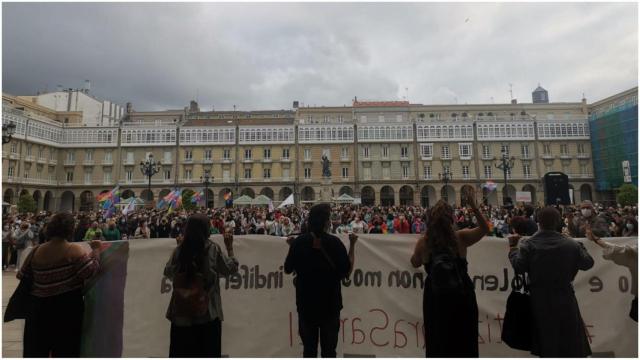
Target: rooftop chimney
x,y
296,104
87,86
59,88
514,101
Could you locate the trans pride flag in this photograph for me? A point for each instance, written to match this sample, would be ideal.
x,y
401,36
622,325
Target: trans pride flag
x,y
173,200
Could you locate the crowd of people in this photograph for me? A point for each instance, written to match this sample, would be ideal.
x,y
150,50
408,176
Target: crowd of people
x,y
539,240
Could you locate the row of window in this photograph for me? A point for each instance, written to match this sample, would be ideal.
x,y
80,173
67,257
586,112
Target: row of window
x,y
148,136
385,133
325,133
444,132
506,131
566,130
225,135
271,135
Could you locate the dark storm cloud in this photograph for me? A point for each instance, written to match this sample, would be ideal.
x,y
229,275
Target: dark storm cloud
x,y
264,56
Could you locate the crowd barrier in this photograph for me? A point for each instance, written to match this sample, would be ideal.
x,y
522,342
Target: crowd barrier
x,y
382,315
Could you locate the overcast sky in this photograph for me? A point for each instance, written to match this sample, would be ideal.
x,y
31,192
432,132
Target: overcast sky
x,y
264,56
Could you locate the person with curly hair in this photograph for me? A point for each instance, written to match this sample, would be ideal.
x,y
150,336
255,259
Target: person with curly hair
x,y
450,313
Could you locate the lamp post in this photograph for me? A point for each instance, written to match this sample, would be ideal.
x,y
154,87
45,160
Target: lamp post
x,y
149,168
445,177
506,164
206,180
7,132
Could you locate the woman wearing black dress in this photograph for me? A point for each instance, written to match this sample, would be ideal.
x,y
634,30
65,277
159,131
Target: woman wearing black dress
x,y
450,316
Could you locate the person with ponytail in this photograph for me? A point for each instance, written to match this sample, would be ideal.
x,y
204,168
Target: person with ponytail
x,y
449,302
195,309
320,261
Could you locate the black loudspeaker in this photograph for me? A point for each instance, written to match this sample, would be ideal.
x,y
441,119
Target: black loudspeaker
x,y
556,189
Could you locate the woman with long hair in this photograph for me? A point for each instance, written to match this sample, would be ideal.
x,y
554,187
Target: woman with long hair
x,y
195,310
449,304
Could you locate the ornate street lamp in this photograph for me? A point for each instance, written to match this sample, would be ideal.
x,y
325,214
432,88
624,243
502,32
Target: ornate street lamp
x,y
149,168
445,177
506,164
206,180
7,132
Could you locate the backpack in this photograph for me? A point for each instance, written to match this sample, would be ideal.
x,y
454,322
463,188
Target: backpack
x,y
446,275
190,297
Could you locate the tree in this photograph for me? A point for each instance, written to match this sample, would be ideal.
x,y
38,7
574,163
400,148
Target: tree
x,y
627,195
26,203
186,200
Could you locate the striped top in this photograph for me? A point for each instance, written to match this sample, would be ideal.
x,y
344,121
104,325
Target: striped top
x,y
58,279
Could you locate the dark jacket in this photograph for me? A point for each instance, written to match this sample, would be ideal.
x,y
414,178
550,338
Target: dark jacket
x,y
552,261
319,274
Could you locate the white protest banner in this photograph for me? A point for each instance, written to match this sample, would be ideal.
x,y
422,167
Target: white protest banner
x,y
382,313
524,196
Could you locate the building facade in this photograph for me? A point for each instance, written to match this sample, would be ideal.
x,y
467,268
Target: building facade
x,y
613,123
390,153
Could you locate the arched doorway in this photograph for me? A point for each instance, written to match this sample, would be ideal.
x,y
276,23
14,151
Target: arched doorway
x,y
8,196
308,195
210,198
386,196
509,191
249,192
127,194
585,192
489,197
284,193
448,194
37,196
368,196
147,196
67,201
532,190
406,196
427,196
346,190
462,191
267,192
46,204
87,201
163,193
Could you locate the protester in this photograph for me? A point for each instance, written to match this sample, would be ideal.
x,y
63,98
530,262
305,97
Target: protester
x,y
320,262
111,232
90,234
23,238
58,269
195,309
624,255
450,312
552,261
588,216
7,241
142,232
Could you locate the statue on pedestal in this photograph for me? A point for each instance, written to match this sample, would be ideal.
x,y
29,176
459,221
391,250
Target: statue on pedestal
x,y
326,172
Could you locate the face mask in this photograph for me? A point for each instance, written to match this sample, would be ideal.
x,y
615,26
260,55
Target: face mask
x,y
629,226
586,212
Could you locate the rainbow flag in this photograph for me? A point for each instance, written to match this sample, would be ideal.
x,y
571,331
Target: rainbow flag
x,y
197,197
108,201
173,200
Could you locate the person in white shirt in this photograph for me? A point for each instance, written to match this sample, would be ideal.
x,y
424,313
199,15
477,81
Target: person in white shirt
x,y
358,226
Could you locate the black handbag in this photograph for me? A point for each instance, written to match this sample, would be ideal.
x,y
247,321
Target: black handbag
x,y
518,321
21,300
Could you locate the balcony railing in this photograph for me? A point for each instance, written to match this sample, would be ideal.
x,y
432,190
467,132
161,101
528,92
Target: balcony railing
x,y
584,156
106,162
14,155
129,162
53,162
187,160
69,162
565,156
42,160
167,161
207,161
29,158
88,162
465,157
487,157
445,157
548,156
267,160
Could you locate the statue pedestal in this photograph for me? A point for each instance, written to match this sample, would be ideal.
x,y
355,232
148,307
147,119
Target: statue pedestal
x,y
326,191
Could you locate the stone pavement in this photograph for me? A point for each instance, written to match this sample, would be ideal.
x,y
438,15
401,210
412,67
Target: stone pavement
x,y
11,331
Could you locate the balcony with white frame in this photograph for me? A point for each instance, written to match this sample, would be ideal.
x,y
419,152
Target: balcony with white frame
x,y
584,156
68,162
548,156
128,162
108,162
42,160
14,156
53,162
87,162
566,156
29,158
